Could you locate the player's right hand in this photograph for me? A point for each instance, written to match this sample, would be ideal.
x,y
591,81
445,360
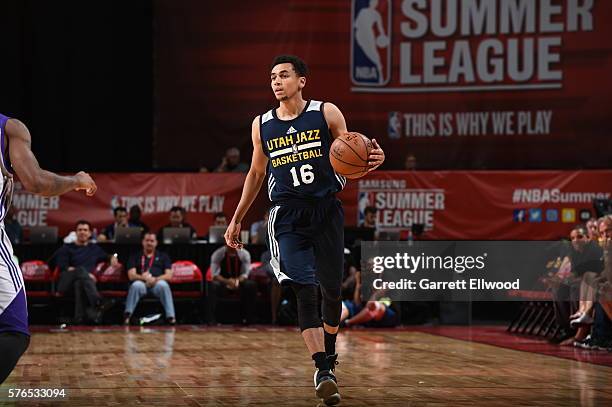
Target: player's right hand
x,y
85,183
232,235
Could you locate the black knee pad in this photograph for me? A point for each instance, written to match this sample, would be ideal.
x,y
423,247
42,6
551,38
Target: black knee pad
x,y
307,298
331,306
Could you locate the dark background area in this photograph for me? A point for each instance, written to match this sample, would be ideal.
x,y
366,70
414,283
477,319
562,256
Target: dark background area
x,y
80,75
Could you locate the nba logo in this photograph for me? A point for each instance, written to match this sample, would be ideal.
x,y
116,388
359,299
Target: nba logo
x,y
364,200
371,42
395,125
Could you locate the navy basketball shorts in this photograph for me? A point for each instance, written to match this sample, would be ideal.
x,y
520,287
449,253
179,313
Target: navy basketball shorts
x,y
306,242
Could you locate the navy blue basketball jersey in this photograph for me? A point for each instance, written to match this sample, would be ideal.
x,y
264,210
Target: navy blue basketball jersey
x,y
298,154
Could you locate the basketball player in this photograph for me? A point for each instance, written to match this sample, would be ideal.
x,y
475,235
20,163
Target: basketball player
x,y
305,226
16,157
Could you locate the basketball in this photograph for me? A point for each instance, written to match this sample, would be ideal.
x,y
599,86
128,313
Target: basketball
x,y
349,154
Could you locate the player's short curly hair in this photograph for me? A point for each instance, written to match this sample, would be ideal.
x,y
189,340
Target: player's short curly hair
x,y
299,66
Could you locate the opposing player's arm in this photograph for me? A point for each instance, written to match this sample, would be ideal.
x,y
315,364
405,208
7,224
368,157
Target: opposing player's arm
x,y
34,178
252,184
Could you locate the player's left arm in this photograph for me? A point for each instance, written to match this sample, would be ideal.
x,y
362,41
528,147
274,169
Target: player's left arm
x,y
335,120
337,126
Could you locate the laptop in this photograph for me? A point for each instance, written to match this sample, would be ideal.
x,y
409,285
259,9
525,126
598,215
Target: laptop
x,y
43,234
128,235
176,235
216,234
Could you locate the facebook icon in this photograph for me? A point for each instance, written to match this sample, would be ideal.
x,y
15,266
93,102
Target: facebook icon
x,y
519,215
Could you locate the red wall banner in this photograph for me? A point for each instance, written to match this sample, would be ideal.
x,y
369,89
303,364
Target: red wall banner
x,y
535,205
530,205
202,195
516,84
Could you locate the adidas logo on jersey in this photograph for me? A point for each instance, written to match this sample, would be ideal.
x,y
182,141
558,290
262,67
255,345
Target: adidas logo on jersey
x,y
291,130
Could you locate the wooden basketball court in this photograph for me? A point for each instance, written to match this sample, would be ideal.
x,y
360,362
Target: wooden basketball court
x,y
198,366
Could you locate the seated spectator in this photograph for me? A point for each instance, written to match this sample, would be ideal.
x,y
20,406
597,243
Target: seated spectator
x,y
369,220
565,290
231,162
134,220
585,257
605,242
592,229
177,220
150,271
579,258
76,261
376,312
230,269
369,217
121,220
220,219
410,163
259,230
601,333
12,226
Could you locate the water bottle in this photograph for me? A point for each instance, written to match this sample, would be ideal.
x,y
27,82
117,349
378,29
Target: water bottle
x,y
94,235
410,238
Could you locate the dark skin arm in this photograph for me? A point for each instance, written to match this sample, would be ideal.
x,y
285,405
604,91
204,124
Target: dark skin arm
x,y
34,178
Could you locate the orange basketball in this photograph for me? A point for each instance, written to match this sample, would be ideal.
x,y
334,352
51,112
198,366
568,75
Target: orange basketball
x,y
349,154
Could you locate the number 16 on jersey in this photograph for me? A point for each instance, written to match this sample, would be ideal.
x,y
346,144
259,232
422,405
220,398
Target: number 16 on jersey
x,y
306,175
